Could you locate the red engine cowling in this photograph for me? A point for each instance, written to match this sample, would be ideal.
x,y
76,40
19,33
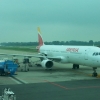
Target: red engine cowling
x,y
47,63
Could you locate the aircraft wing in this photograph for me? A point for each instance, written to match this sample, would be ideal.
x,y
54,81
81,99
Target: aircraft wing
x,y
20,55
37,56
55,58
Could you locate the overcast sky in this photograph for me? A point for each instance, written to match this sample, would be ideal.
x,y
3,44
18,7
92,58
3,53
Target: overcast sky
x,y
61,20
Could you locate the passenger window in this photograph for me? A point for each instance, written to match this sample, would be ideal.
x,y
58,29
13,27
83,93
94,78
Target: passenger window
x,y
96,53
93,53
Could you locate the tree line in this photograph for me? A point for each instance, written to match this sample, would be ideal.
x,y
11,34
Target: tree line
x,y
73,42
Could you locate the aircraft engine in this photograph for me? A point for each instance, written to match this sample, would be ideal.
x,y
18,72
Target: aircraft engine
x,y
47,63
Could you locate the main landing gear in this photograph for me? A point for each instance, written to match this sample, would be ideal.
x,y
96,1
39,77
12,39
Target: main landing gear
x,y
94,73
75,66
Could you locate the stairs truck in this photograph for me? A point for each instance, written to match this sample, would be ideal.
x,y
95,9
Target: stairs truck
x,y
7,67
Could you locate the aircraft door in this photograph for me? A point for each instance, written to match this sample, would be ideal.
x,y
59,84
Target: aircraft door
x,y
86,54
95,59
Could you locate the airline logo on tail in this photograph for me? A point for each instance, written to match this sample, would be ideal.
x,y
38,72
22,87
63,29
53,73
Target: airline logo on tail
x,y
40,40
40,37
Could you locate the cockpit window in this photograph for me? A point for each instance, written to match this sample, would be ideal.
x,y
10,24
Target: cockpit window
x,y
96,53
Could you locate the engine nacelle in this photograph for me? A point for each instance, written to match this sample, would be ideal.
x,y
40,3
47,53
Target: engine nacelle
x,y
47,63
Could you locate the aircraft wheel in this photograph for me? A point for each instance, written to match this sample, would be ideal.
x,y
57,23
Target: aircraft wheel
x,y
94,74
75,66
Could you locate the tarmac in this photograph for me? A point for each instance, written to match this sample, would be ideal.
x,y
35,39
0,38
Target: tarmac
x,y
60,83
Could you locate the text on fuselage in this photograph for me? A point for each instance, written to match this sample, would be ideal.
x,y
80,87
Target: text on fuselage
x,y
72,49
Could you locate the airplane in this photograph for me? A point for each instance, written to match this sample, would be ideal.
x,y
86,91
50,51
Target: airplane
x,y
76,55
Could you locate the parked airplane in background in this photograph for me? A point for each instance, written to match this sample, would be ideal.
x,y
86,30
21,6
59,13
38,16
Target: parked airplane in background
x,y
77,55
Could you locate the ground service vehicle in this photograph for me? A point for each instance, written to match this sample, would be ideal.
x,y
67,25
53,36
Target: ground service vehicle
x,y
7,67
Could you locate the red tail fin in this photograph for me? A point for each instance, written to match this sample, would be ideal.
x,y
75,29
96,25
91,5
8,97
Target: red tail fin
x,y
40,38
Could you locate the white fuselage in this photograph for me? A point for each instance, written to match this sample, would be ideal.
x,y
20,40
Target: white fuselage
x,y
82,55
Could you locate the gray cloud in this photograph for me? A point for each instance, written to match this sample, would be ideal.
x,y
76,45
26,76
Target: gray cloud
x,y
68,17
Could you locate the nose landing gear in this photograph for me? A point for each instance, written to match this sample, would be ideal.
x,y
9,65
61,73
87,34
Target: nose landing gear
x,y
94,74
